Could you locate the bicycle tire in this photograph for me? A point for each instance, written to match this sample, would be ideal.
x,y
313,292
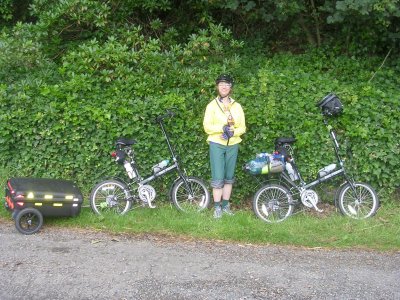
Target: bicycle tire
x,y
272,203
184,202
362,205
110,195
29,221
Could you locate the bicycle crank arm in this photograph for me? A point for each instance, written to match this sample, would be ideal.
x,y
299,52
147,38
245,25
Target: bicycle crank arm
x,y
151,205
309,198
316,207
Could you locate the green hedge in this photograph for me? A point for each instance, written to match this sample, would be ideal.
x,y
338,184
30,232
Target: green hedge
x,y
60,119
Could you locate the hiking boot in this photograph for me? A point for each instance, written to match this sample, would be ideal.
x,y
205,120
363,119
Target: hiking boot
x,y
217,212
227,210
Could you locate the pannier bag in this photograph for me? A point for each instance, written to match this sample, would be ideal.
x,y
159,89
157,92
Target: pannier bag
x,y
265,163
330,105
52,197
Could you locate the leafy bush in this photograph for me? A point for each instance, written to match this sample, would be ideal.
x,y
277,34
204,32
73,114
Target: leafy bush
x,y
62,122
281,100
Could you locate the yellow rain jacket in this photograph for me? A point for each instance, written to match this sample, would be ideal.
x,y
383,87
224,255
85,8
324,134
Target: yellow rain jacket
x,y
215,118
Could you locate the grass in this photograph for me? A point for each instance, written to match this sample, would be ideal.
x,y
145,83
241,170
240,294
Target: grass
x,y
381,232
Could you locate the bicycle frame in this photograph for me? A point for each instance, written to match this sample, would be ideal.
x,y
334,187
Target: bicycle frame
x,y
274,201
119,195
175,166
340,172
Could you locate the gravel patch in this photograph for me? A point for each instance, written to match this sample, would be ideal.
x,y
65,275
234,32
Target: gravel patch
x,y
61,263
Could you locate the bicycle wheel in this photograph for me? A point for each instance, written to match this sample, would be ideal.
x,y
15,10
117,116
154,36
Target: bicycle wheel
x,y
361,203
28,221
272,203
110,195
184,201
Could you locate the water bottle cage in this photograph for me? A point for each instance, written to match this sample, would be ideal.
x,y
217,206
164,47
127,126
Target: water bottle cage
x,y
160,166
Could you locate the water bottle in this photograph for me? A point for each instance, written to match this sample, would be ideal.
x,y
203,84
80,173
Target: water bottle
x,y
129,170
326,170
292,174
161,165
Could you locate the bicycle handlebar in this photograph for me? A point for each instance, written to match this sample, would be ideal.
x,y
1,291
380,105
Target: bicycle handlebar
x,y
169,114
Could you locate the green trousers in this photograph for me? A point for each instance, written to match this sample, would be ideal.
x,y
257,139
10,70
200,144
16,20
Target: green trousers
x,y
223,162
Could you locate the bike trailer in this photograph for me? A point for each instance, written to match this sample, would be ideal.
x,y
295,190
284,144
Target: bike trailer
x,y
52,197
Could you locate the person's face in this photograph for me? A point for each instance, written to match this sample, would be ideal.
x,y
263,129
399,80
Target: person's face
x,y
224,88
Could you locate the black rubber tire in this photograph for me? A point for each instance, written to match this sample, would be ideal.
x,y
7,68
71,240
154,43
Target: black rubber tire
x,y
362,205
29,221
110,195
181,199
272,203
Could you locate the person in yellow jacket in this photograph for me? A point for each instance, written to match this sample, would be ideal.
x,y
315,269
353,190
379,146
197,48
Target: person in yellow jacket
x,y
224,122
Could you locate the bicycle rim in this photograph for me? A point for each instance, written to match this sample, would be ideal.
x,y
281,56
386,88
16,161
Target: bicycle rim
x,y
272,203
358,204
184,201
110,196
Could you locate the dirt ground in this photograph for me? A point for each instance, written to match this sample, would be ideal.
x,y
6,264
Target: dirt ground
x,y
74,264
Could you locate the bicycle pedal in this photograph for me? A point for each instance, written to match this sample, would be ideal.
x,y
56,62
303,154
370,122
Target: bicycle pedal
x,y
264,210
202,202
352,210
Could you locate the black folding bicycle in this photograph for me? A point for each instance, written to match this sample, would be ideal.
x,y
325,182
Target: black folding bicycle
x,y
117,195
275,201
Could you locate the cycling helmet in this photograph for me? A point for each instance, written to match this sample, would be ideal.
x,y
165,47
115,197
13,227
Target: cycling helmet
x,y
224,78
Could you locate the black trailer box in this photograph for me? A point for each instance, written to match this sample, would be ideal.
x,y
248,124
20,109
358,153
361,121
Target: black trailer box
x,y
52,197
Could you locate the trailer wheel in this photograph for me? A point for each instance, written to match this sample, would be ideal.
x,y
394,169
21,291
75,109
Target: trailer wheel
x,y
29,221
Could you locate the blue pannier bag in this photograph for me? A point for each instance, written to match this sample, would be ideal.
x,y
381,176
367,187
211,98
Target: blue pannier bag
x,y
264,163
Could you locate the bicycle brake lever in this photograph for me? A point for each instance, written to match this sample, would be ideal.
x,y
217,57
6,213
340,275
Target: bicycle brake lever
x,y
170,113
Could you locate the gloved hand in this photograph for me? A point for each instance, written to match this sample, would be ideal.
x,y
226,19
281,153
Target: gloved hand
x,y
227,132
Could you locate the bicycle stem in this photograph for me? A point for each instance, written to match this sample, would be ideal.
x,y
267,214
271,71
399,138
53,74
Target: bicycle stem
x,y
336,147
167,139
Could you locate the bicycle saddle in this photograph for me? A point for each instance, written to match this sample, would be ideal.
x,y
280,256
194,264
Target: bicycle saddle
x,y
125,141
284,140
